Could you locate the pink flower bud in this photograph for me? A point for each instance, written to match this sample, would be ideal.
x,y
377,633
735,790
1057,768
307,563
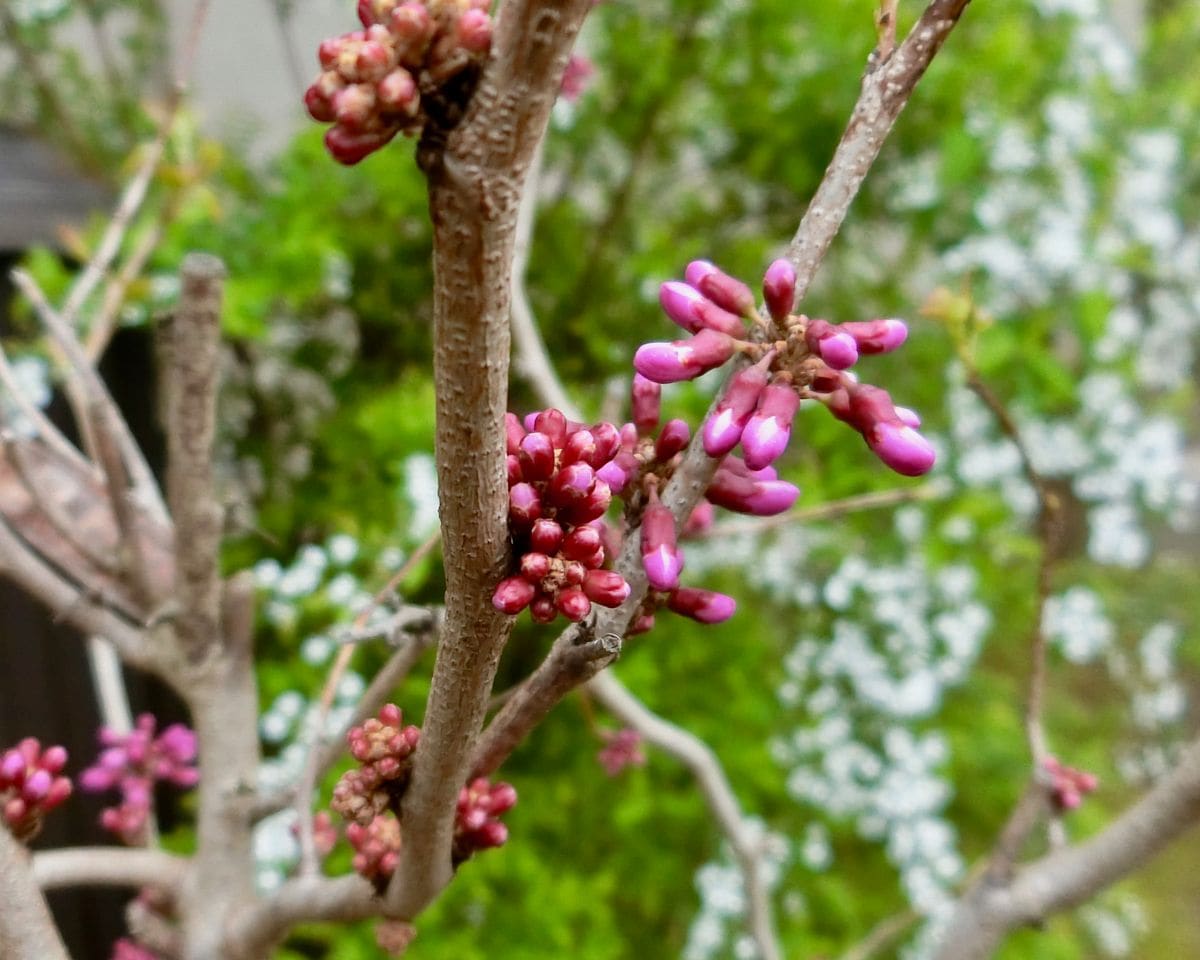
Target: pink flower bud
x,y
411,22
723,429
575,78
678,300
768,431
593,506
581,543
37,785
536,456
743,494
910,418
901,448
641,624
354,106
700,521
674,437
546,536
704,606
513,469
328,52
608,442
319,106
613,475
573,604
876,336
513,595
373,62
698,270
542,609
535,567
349,146
492,834
398,91
12,766
647,402
833,345
501,798
553,424
54,759
684,359
475,31
571,484
524,504
771,497
779,289
606,587
661,559
580,446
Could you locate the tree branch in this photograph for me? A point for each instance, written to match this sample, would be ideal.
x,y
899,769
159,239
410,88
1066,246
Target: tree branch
x,y
475,185
27,930
108,867
699,758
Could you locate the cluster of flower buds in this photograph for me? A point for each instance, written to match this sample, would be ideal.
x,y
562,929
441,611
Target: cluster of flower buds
x,y
384,748
477,823
622,748
31,785
325,834
794,358
576,77
376,848
559,488
132,762
126,949
1067,785
373,80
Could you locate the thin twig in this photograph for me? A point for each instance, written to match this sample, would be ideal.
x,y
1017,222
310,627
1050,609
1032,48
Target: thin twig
x,y
108,867
45,429
882,935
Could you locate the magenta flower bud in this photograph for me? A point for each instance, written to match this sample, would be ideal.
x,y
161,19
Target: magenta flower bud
x,y
641,624
571,484
553,424
910,418
475,31
674,437
354,106
574,572
901,448
54,759
512,466
771,497
501,798
704,606
398,91
723,429
678,301
606,587
349,146
535,567
411,21
491,834
530,421
779,289
546,536
536,456
579,447
713,317
573,604
727,292
59,791
513,595
318,105
542,609
697,270
12,766
699,521
373,62
877,336
593,507
768,431
613,476
37,785
608,443
524,504
833,345
581,543
647,402
661,559
684,359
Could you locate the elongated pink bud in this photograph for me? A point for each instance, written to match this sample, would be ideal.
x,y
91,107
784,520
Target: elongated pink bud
x,y
901,448
723,429
573,603
678,300
513,595
593,506
536,456
700,521
475,31
908,417
580,446
779,289
697,270
743,494
606,587
524,504
768,431
608,442
877,336
661,559
771,497
613,475
713,317
546,536
704,606
647,402
833,345
683,359
674,437
553,424
530,420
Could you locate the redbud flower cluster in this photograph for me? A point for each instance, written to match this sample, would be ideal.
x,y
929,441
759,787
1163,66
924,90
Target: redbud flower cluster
x,y
376,848
31,785
477,823
132,763
386,78
1068,786
558,492
384,749
622,748
794,358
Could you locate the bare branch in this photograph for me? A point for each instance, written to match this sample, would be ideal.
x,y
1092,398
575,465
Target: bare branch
x,y
883,935
475,184
27,930
1073,875
108,867
191,343
699,758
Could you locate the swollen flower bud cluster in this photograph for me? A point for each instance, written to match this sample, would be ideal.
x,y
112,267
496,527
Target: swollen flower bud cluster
x,y
622,748
384,749
559,487
132,762
477,823
1068,786
376,848
795,358
398,72
31,785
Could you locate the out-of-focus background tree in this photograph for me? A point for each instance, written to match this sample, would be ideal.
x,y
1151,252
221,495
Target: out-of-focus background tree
x,y
1040,190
